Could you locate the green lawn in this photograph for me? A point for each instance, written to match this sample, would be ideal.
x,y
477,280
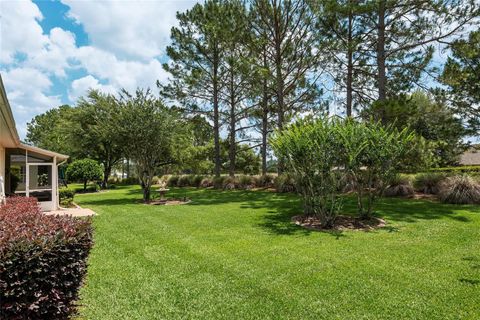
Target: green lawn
x,y
235,255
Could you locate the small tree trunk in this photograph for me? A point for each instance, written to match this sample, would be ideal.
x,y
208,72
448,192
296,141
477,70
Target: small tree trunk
x,y
106,173
85,185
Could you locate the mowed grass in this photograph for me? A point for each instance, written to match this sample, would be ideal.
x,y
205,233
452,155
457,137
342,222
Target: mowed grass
x,y
235,255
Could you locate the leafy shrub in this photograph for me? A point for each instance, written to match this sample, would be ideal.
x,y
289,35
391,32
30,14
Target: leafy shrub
x,y
428,182
66,196
284,183
459,190
246,182
173,181
184,181
372,155
84,170
206,182
264,181
230,183
218,182
42,261
400,186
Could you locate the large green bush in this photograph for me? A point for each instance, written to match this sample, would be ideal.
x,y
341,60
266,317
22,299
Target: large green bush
x,y
84,170
310,152
371,155
42,261
322,154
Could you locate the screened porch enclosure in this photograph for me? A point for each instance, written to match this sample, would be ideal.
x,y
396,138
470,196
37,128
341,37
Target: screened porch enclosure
x,y
32,174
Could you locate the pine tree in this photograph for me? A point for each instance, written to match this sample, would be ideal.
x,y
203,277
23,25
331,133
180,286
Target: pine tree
x,y
287,31
196,55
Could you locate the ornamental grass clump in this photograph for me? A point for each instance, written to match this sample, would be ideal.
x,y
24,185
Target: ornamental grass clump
x,y
43,261
400,186
461,189
429,182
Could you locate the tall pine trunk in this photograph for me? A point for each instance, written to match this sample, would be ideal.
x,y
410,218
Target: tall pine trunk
x,y
232,148
280,94
216,121
381,76
350,65
264,117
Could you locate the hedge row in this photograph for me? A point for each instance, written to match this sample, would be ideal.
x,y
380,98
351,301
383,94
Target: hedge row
x,y
434,183
464,169
43,261
223,182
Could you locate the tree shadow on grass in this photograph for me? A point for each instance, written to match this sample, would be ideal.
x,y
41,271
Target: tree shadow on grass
x,y
410,210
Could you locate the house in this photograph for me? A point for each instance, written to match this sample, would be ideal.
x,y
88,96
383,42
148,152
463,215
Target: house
x,y
471,157
26,170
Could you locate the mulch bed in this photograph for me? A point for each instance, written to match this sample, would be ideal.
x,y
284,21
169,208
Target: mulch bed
x,y
341,223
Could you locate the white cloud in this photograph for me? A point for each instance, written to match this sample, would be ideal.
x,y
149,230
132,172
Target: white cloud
x,y
26,90
19,29
130,29
127,39
120,73
81,86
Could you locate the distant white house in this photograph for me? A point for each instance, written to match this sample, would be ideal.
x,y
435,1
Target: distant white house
x,y
26,170
471,157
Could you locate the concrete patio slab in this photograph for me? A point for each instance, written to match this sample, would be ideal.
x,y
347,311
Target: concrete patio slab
x,y
75,212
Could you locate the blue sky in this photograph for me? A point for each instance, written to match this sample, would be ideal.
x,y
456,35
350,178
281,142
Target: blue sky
x,y
52,52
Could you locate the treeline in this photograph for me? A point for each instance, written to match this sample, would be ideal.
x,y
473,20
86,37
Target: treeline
x,y
240,70
259,64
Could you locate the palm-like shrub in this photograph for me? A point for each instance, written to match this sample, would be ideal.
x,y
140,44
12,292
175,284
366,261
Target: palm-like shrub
x,y
371,155
309,149
400,186
429,182
459,190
